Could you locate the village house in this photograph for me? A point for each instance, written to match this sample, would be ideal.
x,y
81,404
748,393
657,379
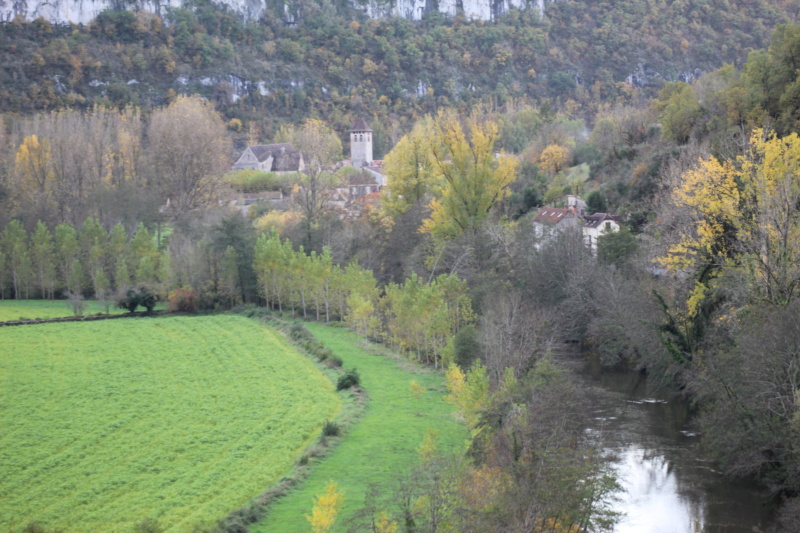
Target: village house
x,y
284,158
549,221
596,225
279,158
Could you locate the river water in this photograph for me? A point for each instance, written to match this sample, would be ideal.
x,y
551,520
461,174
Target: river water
x,y
669,486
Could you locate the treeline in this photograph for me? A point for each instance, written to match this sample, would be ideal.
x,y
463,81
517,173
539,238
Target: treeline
x,y
416,317
335,64
89,261
112,165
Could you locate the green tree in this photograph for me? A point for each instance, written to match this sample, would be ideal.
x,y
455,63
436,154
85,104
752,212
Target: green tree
x,y
616,247
596,202
678,110
43,258
15,244
410,170
67,252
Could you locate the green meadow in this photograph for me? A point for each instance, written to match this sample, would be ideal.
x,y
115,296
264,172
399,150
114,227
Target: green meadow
x,y
384,442
177,419
16,309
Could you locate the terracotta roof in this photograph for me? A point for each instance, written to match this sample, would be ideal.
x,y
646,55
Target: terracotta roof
x,y
552,215
360,125
596,220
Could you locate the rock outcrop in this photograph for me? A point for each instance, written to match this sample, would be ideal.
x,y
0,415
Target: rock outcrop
x,y
83,11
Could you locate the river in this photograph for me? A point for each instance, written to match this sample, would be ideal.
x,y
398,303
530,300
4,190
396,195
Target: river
x,y
669,486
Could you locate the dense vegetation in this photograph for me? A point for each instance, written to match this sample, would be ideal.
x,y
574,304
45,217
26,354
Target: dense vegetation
x,y
336,65
176,420
699,291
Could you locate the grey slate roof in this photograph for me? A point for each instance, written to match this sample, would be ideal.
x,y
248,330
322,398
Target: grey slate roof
x,y
597,219
285,157
360,125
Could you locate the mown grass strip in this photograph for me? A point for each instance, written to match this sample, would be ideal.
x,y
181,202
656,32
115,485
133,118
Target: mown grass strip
x,y
383,443
16,309
178,419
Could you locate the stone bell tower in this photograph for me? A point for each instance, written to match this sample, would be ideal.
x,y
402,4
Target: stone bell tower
x,y
361,144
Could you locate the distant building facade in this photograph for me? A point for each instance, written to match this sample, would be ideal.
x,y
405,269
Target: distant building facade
x,y
278,158
549,221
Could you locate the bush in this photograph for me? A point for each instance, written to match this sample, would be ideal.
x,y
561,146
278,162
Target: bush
x,y
183,300
334,361
330,429
299,332
349,379
133,298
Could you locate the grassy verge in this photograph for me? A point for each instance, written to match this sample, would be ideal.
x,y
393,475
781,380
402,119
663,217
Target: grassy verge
x,y
16,309
179,420
385,440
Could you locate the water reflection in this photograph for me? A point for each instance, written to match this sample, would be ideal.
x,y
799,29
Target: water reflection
x,y
668,485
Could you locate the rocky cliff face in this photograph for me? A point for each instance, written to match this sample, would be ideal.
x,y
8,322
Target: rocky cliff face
x,y
82,11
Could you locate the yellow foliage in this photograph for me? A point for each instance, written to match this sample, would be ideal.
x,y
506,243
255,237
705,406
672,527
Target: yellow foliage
x,y
235,124
430,443
468,392
484,485
744,216
277,220
555,525
416,389
326,509
474,178
409,170
554,159
384,524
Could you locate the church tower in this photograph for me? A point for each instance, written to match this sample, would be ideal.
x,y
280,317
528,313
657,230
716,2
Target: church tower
x,y
361,144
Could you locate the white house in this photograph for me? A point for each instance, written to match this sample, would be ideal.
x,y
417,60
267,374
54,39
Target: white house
x,y
596,225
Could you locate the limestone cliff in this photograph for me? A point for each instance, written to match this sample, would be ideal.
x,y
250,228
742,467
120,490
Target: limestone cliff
x,y
82,11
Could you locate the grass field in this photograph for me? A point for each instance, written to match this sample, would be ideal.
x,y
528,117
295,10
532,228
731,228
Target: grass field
x,y
382,445
177,419
16,309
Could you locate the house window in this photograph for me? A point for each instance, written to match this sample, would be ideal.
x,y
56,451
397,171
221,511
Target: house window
x,y
608,226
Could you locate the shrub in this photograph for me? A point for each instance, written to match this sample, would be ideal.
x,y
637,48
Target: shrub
x,y
133,298
299,332
330,429
76,302
183,300
349,379
334,361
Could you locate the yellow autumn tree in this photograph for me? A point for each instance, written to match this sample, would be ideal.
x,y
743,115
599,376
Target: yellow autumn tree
x,y
34,173
554,159
474,178
745,218
327,507
468,392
